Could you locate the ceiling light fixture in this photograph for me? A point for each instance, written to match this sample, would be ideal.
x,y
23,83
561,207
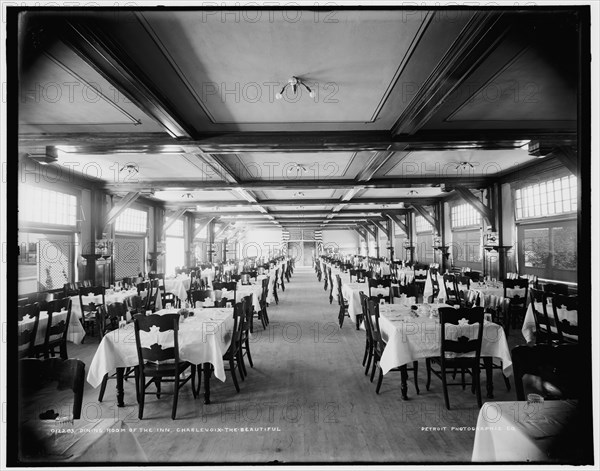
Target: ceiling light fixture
x,y
299,194
298,168
464,165
187,195
412,193
294,82
131,168
50,157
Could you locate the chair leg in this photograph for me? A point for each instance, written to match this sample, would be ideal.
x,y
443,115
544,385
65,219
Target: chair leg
x,y
477,385
63,350
158,385
506,382
141,396
240,364
248,353
233,376
445,388
375,361
367,345
175,397
428,366
462,377
379,381
416,375
194,389
369,358
103,387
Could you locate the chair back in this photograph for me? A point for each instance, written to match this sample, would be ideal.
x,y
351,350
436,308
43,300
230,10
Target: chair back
x,y
566,316
373,319
142,287
152,295
450,286
458,339
135,304
538,302
28,318
156,339
230,294
89,308
201,295
248,312
516,289
59,317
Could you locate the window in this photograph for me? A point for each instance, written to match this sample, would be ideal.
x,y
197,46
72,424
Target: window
x,y
39,205
132,221
465,215
549,250
549,198
176,229
466,249
422,225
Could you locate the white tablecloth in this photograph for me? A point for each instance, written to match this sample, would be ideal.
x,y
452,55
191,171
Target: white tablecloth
x,y
203,338
518,431
254,290
409,339
428,291
178,286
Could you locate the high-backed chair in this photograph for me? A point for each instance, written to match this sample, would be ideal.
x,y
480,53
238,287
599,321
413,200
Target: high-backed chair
x,y
59,317
460,341
28,322
378,285
565,313
343,303
160,363
516,290
449,281
89,308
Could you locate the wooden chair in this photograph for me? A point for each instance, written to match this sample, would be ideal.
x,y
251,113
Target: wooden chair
x,y
89,309
369,343
160,364
275,295
359,274
245,337
57,327
343,304
135,305
71,289
451,287
36,374
543,331
385,284
516,290
27,329
262,312
153,293
331,285
379,346
435,285
460,345
230,286
200,296
567,328
421,274
409,290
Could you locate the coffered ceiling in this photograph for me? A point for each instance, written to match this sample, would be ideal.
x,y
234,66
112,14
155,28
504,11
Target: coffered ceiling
x,y
180,104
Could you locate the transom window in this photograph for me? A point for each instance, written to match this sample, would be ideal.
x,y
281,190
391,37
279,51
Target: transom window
x,y
422,225
39,205
552,197
132,221
176,229
465,215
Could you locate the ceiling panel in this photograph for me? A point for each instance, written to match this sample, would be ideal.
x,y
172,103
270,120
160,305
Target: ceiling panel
x,y
121,168
295,166
351,63
457,163
61,93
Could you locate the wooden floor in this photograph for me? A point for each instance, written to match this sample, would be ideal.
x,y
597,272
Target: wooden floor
x,y
308,386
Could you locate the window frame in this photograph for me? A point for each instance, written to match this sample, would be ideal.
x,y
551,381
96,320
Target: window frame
x,y
544,180
466,227
32,225
137,234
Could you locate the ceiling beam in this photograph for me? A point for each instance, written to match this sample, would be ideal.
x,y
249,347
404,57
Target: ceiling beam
x,y
121,206
431,219
369,229
568,157
266,184
373,165
203,223
476,203
481,35
380,224
369,202
98,50
396,218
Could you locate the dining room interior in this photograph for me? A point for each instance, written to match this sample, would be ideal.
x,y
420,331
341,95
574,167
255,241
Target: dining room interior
x,y
310,235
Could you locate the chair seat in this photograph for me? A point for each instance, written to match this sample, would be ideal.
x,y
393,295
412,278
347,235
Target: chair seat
x,y
164,369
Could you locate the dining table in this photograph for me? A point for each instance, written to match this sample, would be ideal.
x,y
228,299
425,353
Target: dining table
x,y
108,440
413,335
203,337
178,285
520,431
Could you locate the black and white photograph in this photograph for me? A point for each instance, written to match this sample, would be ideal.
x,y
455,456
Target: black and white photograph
x,y
303,233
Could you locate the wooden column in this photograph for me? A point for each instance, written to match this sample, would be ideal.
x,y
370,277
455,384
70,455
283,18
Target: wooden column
x,y
210,240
